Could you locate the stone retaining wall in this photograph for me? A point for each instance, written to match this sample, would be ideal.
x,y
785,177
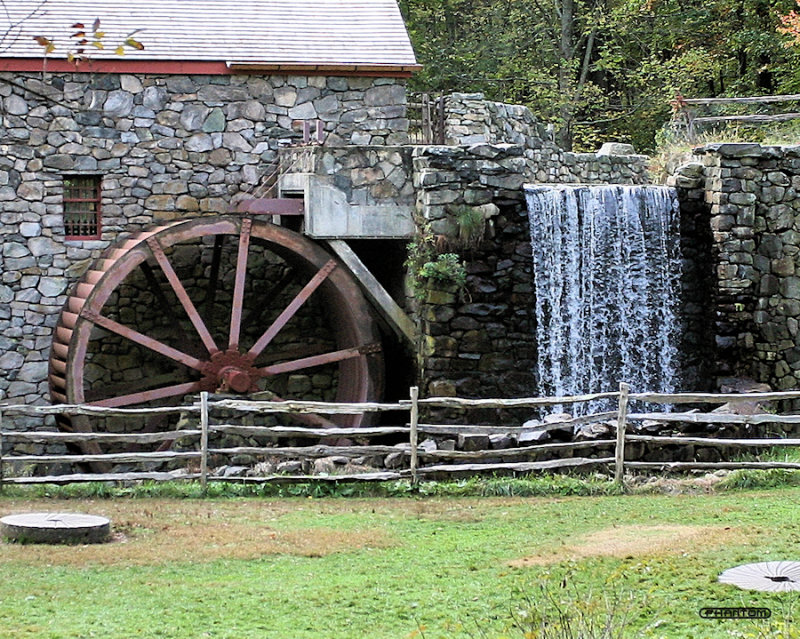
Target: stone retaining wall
x,y
448,177
365,174
470,119
750,194
482,343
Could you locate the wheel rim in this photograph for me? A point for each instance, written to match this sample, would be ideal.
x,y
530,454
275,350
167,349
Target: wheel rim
x,y
228,358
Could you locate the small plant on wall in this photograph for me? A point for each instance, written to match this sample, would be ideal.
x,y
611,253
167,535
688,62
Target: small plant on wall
x,y
426,263
471,225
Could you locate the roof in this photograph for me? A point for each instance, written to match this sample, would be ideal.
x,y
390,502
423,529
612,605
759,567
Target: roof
x,y
350,35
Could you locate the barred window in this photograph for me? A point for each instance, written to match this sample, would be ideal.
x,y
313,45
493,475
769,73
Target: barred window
x,y
82,207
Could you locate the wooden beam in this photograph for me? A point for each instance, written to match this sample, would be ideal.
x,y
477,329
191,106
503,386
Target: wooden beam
x,y
756,99
758,119
389,309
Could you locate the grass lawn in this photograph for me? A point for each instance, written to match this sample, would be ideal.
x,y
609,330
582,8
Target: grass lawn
x,y
429,567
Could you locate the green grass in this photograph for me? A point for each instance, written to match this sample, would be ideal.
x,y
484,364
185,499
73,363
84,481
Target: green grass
x,y
433,567
672,150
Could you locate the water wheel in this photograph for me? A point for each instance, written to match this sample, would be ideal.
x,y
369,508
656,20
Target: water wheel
x,y
219,304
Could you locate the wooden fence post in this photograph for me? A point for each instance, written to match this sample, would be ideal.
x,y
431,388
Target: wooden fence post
x,y
204,440
414,435
622,419
1,450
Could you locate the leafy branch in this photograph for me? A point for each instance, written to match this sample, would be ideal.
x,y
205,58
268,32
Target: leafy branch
x,y
424,262
83,40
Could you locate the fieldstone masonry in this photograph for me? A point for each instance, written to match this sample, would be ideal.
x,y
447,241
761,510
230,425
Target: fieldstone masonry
x,y
167,147
751,197
481,343
170,147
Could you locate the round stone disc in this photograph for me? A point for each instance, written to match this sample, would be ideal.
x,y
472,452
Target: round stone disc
x,y
55,528
769,576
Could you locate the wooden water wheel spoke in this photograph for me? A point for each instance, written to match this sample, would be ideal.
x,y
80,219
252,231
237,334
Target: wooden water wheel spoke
x,y
183,296
143,340
127,388
272,357
178,390
309,419
291,309
168,308
155,289
315,360
239,282
213,279
125,366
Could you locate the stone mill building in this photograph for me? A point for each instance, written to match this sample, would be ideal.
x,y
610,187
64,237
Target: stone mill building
x,y
224,203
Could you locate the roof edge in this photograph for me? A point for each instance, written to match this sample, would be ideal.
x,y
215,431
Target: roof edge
x,y
202,67
400,70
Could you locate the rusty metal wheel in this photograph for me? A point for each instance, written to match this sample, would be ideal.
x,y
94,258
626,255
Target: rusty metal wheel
x,y
221,304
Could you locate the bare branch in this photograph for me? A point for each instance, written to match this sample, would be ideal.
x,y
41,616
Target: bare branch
x,y
6,37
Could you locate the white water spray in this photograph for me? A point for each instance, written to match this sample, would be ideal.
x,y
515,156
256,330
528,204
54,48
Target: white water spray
x,y
606,264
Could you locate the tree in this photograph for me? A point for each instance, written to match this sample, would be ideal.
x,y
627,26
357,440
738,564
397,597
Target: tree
x,y
601,69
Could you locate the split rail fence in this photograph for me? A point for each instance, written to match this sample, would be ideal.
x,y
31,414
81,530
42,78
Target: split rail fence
x,y
421,462
693,113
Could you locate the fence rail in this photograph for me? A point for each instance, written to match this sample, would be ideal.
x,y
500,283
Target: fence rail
x,y
421,462
687,111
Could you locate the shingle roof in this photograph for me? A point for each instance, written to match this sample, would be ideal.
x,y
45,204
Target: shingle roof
x,y
238,32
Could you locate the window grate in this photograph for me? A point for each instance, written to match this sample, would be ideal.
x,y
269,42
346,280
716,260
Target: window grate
x,y
82,197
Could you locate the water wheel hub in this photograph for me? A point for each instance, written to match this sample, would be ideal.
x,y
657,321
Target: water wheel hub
x,y
231,371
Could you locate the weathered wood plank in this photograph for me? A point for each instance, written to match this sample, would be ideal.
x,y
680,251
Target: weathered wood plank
x,y
622,421
713,398
520,452
517,467
714,441
86,477
291,406
756,118
526,402
299,431
304,479
308,451
85,409
477,429
101,457
755,99
714,465
717,418
390,310
134,438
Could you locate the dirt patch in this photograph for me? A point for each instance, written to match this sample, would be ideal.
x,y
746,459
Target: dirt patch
x,y
156,532
633,541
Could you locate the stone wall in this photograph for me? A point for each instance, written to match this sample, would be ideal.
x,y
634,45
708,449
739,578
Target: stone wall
x,y
448,177
750,194
168,147
365,174
470,119
481,343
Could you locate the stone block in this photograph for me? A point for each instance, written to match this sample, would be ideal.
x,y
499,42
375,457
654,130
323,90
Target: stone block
x,y
473,442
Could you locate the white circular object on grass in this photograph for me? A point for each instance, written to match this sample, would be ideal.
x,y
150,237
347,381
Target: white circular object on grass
x,y
770,576
55,528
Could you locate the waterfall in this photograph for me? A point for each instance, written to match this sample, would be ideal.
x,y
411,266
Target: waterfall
x,y
606,265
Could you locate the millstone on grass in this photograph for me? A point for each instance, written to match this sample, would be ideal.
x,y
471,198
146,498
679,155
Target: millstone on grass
x,y
769,576
55,528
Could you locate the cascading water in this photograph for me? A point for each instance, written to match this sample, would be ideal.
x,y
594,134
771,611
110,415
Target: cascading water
x,y
606,264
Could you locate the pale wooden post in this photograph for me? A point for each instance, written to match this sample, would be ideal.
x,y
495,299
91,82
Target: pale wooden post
x,y
1,450
414,435
622,419
204,440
